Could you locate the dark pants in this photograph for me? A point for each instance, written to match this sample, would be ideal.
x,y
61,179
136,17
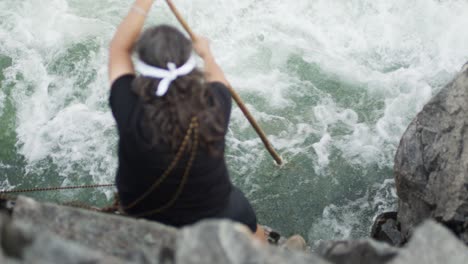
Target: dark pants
x,y
239,209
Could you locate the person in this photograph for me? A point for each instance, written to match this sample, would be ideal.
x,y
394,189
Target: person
x,y
159,102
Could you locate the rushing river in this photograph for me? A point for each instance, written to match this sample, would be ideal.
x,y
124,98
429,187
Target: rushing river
x,y
334,83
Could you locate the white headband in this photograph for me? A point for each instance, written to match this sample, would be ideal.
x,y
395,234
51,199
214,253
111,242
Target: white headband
x,y
168,75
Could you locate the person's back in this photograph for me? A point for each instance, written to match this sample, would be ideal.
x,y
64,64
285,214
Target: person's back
x,y
172,120
152,129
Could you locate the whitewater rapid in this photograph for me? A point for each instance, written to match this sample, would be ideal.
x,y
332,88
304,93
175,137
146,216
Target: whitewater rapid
x,y
334,84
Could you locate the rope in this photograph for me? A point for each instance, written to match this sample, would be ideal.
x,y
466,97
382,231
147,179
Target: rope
x,y
193,127
234,94
94,186
168,171
4,195
184,177
110,209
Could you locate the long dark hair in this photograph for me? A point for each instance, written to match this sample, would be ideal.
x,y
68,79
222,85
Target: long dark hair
x,y
166,119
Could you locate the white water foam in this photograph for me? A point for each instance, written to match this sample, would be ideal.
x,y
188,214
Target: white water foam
x,y
2,102
346,220
52,122
401,51
358,40
5,183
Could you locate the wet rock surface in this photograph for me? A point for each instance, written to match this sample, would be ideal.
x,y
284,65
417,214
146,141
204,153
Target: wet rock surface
x,y
431,164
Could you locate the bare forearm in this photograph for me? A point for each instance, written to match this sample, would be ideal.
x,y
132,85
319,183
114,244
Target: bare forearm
x,y
120,61
130,28
213,72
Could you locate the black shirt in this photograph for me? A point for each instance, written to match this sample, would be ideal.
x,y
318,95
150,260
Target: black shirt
x,y
208,186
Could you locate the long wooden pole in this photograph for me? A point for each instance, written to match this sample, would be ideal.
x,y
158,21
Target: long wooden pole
x,y
234,94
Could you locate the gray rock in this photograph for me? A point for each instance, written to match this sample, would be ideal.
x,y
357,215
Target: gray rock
x,y
139,241
125,238
431,164
49,249
4,220
386,229
465,67
13,239
226,242
433,244
356,252
20,243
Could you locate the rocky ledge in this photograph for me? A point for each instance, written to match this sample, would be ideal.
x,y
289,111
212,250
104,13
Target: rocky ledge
x,y
48,233
431,225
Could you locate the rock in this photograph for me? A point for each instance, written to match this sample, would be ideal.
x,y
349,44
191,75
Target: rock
x,y
138,241
225,242
431,243
123,237
386,229
13,239
356,252
465,67
6,204
431,164
20,243
48,249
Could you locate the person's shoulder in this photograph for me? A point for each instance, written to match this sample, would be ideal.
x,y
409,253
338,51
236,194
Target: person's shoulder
x,y
123,80
122,99
219,89
217,85
122,87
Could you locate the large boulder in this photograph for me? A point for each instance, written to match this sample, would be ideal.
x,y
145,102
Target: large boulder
x,y
431,164
431,243
140,241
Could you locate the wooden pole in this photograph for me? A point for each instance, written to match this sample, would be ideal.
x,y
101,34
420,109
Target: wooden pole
x,y
234,94
181,19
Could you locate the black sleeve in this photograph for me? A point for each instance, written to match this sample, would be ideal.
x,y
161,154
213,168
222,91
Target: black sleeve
x,y
122,100
222,95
